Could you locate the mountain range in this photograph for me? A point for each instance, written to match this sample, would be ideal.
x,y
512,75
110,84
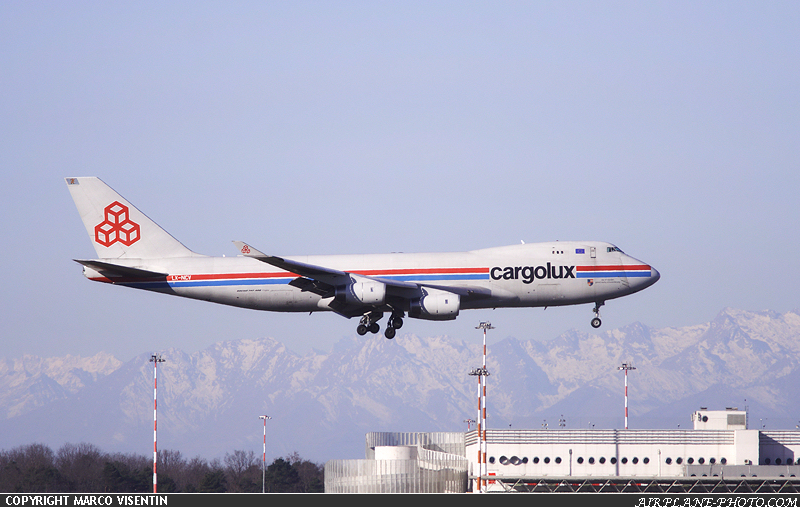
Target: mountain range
x,y
321,404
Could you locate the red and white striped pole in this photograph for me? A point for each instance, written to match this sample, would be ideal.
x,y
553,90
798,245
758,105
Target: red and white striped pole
x,y
479,372
264,455
155,359
626,367
482,373
484,325
480,434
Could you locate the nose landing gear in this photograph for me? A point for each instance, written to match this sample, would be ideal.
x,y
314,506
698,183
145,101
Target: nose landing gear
x,y
596,322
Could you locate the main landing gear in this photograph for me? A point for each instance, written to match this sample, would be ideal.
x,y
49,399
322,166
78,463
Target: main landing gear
x,y
369,323
395,323
596,322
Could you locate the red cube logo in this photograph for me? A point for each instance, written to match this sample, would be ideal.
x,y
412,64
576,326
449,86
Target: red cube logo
x,y
117,226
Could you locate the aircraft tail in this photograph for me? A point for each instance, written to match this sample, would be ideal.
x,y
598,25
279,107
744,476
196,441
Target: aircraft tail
x,y
116,228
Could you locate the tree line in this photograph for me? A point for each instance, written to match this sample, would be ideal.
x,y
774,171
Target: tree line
x,y
84,468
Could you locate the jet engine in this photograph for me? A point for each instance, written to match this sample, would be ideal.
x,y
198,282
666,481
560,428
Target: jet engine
x,y
367,292
435,305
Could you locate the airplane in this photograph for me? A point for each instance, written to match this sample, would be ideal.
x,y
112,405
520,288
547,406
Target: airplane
x,y
133,251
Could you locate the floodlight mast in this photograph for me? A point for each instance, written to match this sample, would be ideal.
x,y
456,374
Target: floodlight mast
x,y
155,359
264,461
482,373
626,367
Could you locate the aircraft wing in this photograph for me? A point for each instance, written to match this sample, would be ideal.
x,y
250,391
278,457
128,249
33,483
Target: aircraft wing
x,y
323,281
333,277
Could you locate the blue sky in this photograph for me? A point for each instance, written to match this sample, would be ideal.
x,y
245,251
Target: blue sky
x,y
668,128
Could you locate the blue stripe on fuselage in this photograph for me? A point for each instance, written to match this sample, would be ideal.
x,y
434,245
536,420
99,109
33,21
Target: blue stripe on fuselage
x,y
284,281
613,274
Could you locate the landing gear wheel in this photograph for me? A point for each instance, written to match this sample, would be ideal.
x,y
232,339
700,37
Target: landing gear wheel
x,y
361,329
596,320
374,328
390,332
396,322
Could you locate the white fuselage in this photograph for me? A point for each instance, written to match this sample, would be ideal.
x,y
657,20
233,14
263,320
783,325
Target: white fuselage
x,y
525,275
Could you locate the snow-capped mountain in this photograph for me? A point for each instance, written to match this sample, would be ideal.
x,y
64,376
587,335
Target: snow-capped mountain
x,y
31,381
322,404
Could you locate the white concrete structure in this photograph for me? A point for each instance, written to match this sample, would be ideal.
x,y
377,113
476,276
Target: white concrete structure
x,y
403,463
720,445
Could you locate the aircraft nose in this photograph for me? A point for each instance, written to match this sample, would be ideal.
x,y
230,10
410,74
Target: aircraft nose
x,y
654,274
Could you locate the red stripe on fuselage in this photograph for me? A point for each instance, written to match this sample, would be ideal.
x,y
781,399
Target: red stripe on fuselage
x,y
419,271
639,267
187,277
286,274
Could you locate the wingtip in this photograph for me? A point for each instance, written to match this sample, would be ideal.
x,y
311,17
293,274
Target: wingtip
x,y
247,250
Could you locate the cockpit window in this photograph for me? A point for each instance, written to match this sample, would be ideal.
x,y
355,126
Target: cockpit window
x,y
613,249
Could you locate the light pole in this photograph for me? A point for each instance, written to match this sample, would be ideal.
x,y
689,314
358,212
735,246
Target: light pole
x,y
155,359
264,454
482,373
626,367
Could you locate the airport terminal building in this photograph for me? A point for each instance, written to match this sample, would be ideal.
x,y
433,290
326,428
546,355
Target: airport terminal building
x,y
719,450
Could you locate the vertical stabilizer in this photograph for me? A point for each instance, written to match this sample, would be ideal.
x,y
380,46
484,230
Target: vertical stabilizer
x,y
116,228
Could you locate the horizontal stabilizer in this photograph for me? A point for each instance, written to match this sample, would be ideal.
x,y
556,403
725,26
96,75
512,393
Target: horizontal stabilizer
x,y
109,269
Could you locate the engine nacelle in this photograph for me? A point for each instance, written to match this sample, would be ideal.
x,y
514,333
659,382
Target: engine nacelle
x,y
435,305
367,292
